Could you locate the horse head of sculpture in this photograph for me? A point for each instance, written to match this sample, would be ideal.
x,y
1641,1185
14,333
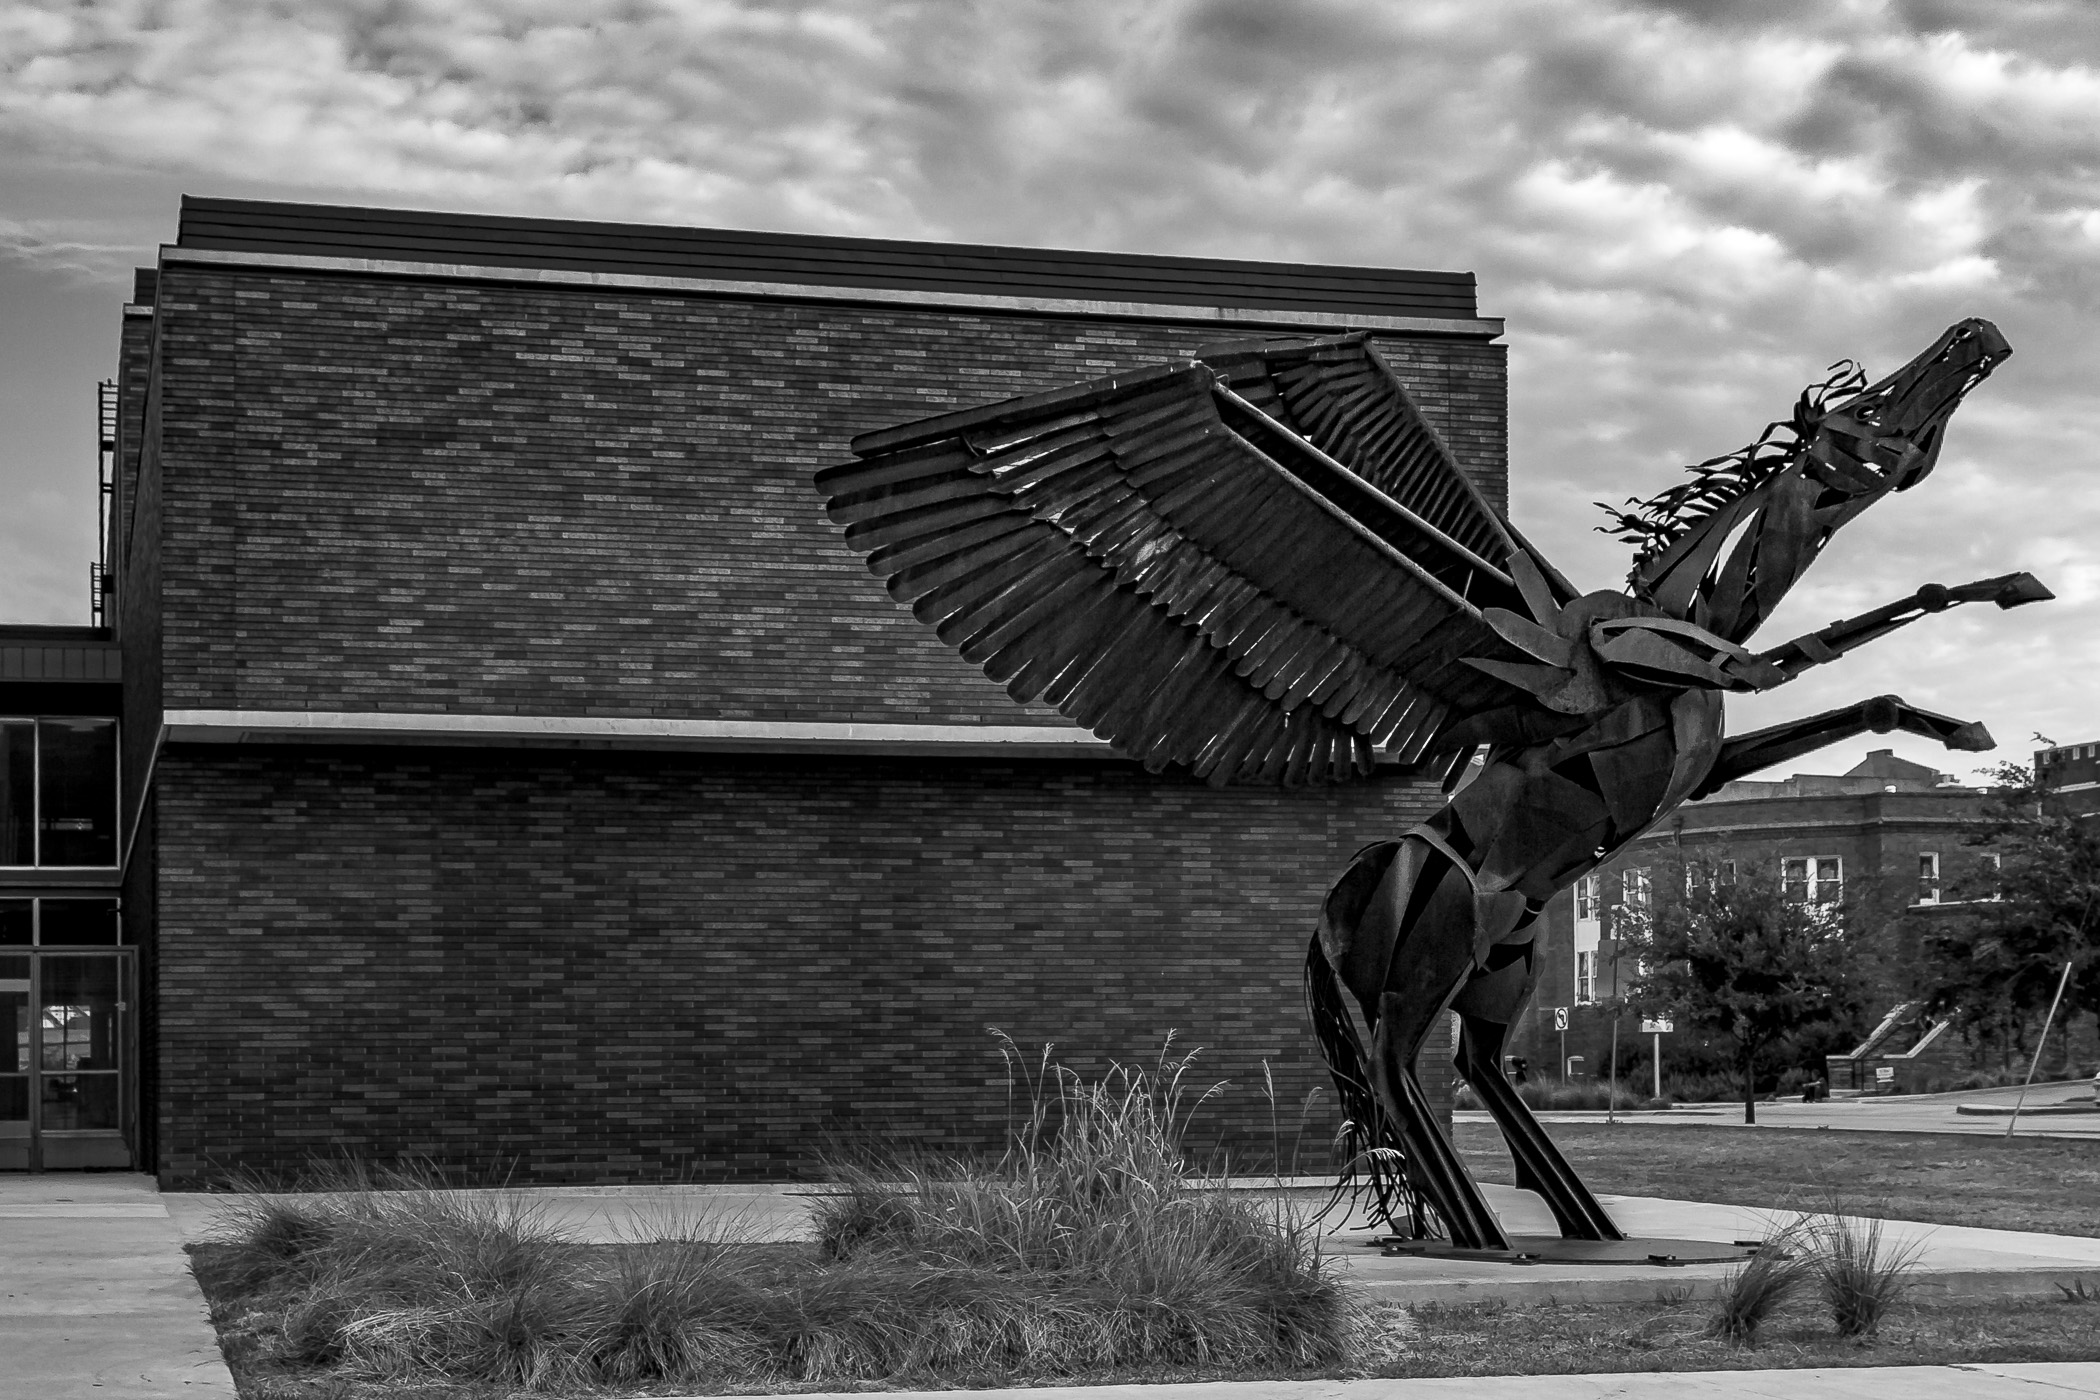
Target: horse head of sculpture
x,y
1721,549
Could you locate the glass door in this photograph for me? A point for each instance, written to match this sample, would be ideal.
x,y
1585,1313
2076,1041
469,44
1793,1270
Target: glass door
x,y
64,1056
80,1098
15,1040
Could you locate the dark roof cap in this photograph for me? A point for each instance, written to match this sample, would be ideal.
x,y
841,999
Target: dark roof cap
x,y
789,259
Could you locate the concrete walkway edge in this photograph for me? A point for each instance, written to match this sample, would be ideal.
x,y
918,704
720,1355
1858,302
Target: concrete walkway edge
x,y
2037,1380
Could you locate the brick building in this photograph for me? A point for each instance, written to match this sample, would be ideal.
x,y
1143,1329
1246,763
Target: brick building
x,y
1888,830
2071,772
517,771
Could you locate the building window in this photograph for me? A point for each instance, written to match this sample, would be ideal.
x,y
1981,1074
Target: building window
x,y
61,922
1634,890
58,792
1992,868
1813,879
1928,877
1589,933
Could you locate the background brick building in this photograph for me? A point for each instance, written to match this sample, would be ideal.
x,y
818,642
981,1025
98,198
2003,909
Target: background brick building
x,y
519,772
2071,772
1887,831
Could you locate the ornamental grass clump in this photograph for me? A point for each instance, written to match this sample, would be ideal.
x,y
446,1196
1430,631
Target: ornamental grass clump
x,y
393,1274
1860,1274
1096,1243
1761,1286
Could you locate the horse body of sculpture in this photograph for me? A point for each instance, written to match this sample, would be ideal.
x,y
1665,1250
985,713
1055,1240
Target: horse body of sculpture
x,y
1263,565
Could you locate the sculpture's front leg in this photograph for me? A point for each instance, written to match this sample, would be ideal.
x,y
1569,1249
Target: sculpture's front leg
x,y
1762,748
1829,643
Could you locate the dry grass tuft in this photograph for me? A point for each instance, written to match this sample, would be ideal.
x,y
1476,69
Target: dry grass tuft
x,y
1860,1274
1764,1284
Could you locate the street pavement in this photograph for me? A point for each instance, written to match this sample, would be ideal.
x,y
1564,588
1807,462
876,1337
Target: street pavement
x,y
1896,1113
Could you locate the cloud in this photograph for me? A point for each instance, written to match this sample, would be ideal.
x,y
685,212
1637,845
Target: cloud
x,y
1684,210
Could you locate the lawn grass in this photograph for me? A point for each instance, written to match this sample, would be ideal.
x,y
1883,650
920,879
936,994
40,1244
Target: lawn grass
x,y
2044,1184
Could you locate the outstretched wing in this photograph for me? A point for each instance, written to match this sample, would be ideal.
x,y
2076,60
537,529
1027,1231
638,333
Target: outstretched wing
x,y
1181,574
1340,395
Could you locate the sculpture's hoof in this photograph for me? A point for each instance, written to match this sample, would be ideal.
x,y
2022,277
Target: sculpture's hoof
x,y
1972,738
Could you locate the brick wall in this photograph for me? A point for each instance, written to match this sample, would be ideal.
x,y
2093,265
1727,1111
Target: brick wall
x,y
625,967
495,498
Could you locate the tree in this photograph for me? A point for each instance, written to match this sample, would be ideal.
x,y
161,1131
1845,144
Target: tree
x,y
1995,969
1723,948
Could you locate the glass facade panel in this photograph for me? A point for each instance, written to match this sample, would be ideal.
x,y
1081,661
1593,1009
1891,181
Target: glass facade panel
x,y
78,923
17,792
77,783
76,1101
17,923
78,1014
14,1015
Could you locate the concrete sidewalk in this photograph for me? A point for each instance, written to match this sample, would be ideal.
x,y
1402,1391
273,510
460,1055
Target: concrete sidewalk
x,y
1953,1260
2041,1380
1894,1113
96,1297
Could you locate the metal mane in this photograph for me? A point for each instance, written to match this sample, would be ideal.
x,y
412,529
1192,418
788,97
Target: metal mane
x,y
1654,524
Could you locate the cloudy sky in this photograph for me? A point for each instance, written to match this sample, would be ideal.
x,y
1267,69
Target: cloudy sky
x,y
1685,211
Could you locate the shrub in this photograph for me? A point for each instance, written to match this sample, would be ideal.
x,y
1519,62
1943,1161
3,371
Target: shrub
x,y
1581,1095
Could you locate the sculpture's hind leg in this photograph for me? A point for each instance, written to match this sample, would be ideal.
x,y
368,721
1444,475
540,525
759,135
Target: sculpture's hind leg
x,y
1399,930
1540,1166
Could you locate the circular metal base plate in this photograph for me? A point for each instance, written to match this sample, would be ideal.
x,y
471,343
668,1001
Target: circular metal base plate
x,y
1552,1249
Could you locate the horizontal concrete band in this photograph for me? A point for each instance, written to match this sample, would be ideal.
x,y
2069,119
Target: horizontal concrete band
x,y
583,732
1482,328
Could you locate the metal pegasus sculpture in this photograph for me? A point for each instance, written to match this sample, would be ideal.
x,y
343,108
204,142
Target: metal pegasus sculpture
x,y
1262,565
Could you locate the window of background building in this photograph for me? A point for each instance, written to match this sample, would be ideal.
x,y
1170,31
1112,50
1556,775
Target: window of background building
x,y
58,792
1991,866
1634,889
1812,879
1928,877
1589,932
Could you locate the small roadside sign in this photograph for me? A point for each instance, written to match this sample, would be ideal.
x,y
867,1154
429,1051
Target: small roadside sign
x,y
1560,1018
1659,1025
1883,1074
